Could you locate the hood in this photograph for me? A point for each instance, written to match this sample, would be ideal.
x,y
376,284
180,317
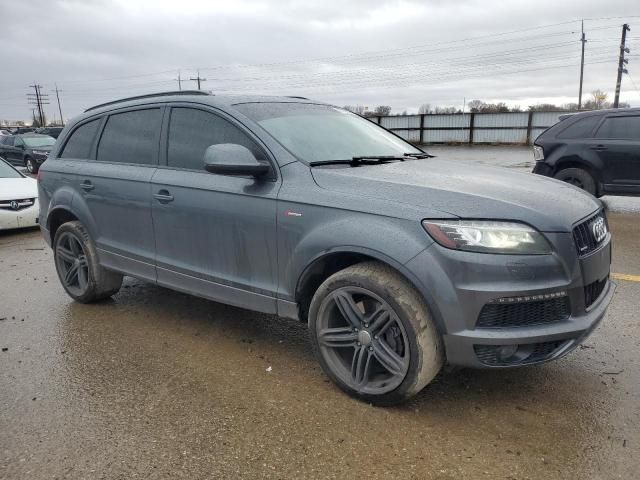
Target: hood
x,y
466,191
18,188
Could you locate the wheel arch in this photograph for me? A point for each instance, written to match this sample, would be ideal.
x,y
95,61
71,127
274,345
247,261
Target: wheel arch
x,y
576,162
57,217
327,263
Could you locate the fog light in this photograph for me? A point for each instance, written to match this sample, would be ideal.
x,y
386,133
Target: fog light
x,y
507,351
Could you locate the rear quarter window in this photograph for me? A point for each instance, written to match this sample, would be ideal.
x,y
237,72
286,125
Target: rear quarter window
x,y
583,128
80,141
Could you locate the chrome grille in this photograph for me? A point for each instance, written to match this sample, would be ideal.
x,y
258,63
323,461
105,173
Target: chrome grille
x,y
584,235
17,204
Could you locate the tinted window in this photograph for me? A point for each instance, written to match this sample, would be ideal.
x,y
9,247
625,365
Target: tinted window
x,y
131,137
627,128
39,141
4,140
191,131
581,129
79,144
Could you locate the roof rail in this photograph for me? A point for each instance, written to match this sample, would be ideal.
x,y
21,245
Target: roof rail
x,y
295,96
149,95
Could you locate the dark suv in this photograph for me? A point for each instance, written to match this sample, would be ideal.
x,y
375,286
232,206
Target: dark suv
x,y
597,151
397,261
29,150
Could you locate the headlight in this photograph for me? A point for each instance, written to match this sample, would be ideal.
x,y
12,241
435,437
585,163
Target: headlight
x,y
41,152
487,236
538,153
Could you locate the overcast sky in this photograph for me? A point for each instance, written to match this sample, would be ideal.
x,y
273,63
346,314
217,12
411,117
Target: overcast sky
x,y
367,52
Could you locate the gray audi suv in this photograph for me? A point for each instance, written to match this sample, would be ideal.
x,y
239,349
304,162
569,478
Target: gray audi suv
x,y
398,262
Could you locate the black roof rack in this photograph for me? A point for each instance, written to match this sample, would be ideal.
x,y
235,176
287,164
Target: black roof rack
x,y
300,98
149,95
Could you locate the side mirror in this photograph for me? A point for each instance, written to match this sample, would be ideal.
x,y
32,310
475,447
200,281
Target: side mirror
x,y
232,159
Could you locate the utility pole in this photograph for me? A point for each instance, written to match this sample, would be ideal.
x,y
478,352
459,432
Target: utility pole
x,y
198,79
583,40
40,99
621,63
59,107
179,79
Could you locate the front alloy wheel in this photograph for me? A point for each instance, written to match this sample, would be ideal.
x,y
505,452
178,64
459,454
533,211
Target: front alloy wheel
x,y
362,340
30,165
373,335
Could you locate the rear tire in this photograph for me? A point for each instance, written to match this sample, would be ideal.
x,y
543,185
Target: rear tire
x,y
385,348
80,274
579,178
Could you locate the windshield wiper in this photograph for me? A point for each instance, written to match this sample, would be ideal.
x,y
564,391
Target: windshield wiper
x,y
372,159
419,155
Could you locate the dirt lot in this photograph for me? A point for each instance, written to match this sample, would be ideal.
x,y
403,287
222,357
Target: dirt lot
x,y
157,384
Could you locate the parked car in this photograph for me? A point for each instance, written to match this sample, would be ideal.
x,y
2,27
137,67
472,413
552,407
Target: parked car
x,y
18,199
397,261
5,132
51,131
28,150
21,130
597,151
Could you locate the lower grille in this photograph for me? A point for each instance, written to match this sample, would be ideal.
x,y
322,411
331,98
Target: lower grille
x,y
498,315
593,291
504,355
16,205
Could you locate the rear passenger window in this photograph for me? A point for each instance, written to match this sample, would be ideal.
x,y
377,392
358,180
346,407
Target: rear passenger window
x,y
624,128
80,141
191,131
581,129
131,137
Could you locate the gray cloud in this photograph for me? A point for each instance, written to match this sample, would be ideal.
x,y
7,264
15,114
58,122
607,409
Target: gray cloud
x,y
89,47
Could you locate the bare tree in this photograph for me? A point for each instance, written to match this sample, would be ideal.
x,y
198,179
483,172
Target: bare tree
x,y
424,109
382,110
599,99
475,105
359,109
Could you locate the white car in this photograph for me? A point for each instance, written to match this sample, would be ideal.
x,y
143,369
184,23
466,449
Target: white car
x,y
18,199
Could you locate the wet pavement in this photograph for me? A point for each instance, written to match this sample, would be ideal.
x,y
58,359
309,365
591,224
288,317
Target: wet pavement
x,y
158,384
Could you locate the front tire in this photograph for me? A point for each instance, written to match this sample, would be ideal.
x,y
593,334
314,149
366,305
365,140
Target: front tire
x,y
579,178
76,260
373,335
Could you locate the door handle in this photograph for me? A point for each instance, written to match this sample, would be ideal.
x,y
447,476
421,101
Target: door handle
x,y
163,196
598,147
87,186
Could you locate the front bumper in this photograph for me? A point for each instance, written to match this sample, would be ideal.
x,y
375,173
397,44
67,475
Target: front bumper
x,y
25,218
542,168
457,285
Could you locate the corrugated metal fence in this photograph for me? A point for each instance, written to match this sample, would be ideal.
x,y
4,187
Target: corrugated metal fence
x,y
521,128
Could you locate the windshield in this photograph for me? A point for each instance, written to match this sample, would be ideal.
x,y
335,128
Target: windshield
x,y
34,142
7,171
316,133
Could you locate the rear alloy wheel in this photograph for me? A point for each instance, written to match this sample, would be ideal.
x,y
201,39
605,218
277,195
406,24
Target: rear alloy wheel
x,y
373,334
579,178
82,277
